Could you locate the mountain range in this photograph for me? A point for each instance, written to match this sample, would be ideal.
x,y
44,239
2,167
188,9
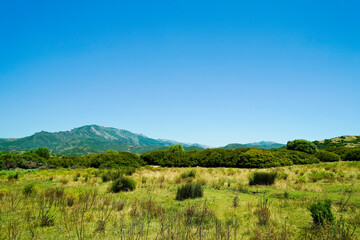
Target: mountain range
x,y
90,139
260,145
96,139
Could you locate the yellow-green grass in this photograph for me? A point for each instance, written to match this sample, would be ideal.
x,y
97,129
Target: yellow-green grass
x,y
288,201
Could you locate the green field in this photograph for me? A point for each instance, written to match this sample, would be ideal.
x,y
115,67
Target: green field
x,y
77,204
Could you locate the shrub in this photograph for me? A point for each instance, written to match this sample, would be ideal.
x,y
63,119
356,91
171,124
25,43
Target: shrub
x,y
325,156
352,155
286,195
263,211
260,158
262,178
189,190
188,174
129,171
123,184
105,177
297,157
302,146
321,212
282,176
28,189
316,176
43,152
301,179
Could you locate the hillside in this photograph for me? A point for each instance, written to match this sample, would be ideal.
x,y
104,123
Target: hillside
x,y
259,145
343,141
87,139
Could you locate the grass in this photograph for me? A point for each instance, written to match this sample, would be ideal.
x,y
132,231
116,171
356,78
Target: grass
x,y
83,208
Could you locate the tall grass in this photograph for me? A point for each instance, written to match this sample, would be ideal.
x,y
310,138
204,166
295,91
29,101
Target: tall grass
x,y
189,190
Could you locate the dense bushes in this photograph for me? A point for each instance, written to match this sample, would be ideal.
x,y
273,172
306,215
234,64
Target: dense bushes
x,y
302,146
325,156
123,184
27,160
109,159
296,157
262,178
189,190
31,159
218,157
352,155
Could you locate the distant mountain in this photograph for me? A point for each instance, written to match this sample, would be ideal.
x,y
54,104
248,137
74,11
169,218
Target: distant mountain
x,y
259,145
343,141
88,139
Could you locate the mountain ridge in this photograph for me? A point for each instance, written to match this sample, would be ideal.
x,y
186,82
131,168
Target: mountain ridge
x,y
88,139
260,145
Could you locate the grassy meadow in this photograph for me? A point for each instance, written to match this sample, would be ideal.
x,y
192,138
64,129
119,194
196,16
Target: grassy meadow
x,y
78,204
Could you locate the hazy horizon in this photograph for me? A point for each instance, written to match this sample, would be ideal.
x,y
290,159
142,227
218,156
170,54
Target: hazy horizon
x,y
209,72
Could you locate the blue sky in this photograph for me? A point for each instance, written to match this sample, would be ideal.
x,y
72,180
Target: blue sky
x,y
212,72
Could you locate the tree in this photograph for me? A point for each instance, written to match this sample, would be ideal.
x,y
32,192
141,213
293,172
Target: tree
x,y
302,145
43,152
176,148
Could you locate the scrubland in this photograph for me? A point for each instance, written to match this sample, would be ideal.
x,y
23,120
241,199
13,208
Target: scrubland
x,y
79,204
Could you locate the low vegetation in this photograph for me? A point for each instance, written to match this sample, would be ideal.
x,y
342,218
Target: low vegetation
x,y
218,203
296,152
207,194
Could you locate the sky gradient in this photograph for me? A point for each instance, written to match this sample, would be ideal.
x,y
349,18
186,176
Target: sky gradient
x,y
210,72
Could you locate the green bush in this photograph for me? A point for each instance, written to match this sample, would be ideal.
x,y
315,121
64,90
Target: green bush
x,y
352,155
105,177
325,156
302,146
123,184
262,178
296,157
316,176
189,190
321,212
43,152
283,176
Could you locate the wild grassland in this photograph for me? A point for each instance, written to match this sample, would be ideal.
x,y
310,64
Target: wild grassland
x,y
78,204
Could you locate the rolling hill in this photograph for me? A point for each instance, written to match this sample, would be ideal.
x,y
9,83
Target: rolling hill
x,y
343,141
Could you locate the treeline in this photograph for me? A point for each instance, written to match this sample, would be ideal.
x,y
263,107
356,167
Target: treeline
x,y
296,152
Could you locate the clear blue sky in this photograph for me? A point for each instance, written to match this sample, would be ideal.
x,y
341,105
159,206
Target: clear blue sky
x,y
212,72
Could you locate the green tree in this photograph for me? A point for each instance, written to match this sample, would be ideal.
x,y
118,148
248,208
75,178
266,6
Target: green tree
x,y
43,152
302,145
176,148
